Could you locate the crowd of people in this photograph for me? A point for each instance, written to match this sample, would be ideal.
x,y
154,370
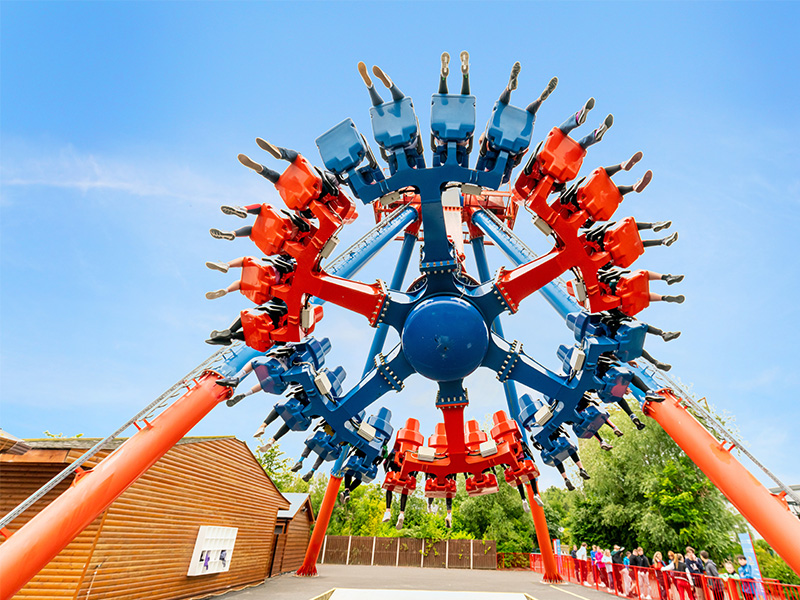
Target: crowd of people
x,y
632,573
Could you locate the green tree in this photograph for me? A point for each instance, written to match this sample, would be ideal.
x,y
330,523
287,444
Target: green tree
x,y
647,492
773,566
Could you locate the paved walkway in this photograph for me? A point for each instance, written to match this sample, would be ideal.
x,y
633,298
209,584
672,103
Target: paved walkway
x,y
289,587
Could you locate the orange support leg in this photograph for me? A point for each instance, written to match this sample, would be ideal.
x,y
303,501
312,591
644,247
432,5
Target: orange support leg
x,y
766,512
34,545
309,566
551,574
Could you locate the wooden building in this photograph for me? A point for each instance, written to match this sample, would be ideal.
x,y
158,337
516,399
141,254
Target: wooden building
x,y
203,491
292,533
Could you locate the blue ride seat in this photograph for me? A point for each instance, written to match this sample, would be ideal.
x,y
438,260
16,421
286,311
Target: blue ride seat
x,y
291,412
269,371
311,351
394,124
382,424
452,117
341,147
396,129
326,446
558,452
452,127
614,383
361,466
631,341
592,419
509,129
336,379
527,409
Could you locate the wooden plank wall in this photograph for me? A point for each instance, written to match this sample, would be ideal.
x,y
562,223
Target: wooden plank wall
x,y
298,535
149,533
141,547
60,577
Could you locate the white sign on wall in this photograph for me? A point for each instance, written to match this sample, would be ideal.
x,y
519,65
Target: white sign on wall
x,y
213,550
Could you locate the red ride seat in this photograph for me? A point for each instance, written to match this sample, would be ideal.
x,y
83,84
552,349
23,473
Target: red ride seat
x,y
526,473
258,279
439,438
394,483
561,157
634,292
257,327
271,231
440,488
300,184
599,196
481,485
473,435
623,243
506,430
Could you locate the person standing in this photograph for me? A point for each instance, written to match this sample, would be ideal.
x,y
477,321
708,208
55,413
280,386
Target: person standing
x,y
580,557
746,575
642,575
658,565
712,576
695,566
681,576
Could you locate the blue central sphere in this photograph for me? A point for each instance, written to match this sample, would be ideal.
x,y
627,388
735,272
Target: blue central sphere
x,y
445,338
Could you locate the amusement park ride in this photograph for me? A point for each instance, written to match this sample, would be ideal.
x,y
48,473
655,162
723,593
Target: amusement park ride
x,y
448,320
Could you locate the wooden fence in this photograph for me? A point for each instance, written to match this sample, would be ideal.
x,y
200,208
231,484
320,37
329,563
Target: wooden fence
x,y
409,552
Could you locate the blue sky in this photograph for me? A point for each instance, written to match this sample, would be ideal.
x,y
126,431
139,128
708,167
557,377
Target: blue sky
x,y
119,129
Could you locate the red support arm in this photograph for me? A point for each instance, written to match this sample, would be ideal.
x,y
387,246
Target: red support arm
x,y
768,513
309,566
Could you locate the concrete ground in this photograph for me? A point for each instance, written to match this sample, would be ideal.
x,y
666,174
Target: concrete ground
x,y
289,587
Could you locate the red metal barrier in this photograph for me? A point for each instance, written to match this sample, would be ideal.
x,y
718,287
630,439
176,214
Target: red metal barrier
x,y
652,584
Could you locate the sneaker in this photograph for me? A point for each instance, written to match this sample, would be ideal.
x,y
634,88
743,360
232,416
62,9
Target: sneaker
x,y
448,520
385,79
219,341
230,382
297,466
525,506
512,80
662,225
569,485
266,446
400,518
345,496
580,118
445,65
587,584
639,186
216,294
220,266
307,477
668,336
674,299
364,72
260,431
637,422
235,400
668,241
670,279
551,86
234,211
222,235
618,432
464,62
583,474
605,126
268,147
653,397
604,445
538,499
387,515
628,165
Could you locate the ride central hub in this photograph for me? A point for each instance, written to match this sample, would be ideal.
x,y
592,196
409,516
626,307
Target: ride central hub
x,y
445,338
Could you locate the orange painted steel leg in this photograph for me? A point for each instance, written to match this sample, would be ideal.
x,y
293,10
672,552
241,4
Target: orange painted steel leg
x,y
309,566
765,511
29,550
551,574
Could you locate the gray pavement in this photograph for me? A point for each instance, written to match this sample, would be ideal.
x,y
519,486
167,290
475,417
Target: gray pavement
x,y
290,587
